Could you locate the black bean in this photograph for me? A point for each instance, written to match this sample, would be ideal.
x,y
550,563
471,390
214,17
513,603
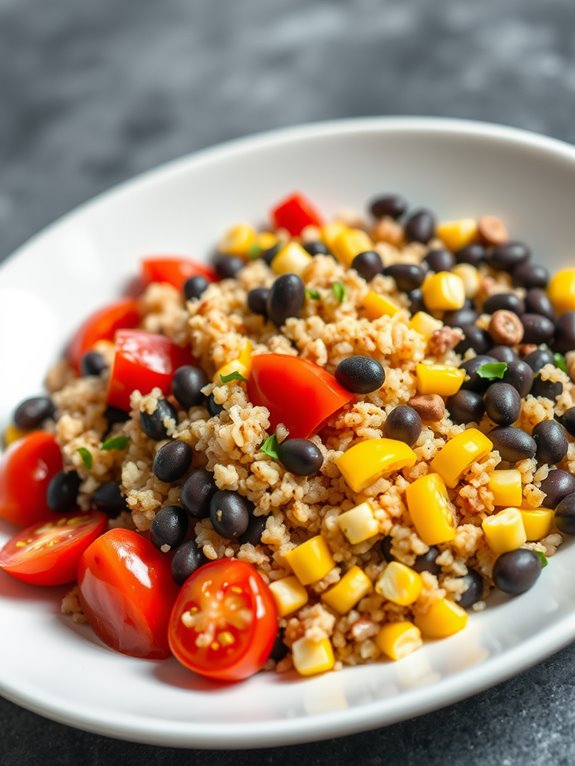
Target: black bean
x,y
229,513
186,560
472,381
360,374
460,317
407,276
530,275
267,254
187,385
475,338
63,491
404,424
286,298
520,376
253,534
426,562
505,302
512,443
197,491
195,287
465,406
213,407
108,498
300,456
568,420
474,591
420,226
440,260
502,403
385,549
509,255
169,527
172,461
516,571
257,300
416,301
565,333
503,354
473,254
153,425
113,416
556,486
537,328
546,388
565,515
551,440
539,358
316,248
392,205
279,649
537,302
31,413
227,266
367,264
92,364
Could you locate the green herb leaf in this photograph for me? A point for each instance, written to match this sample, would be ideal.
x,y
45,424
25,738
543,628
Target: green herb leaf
x,y
86,456
339,291
254,252
492,370
560,362
115,442
313,294
270,447
542,559
235,375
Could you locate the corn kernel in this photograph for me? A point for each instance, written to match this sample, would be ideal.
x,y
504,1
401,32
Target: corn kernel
x,y
311,560
442,619
291,259
365,462
238,240
265,240
358,524
12,434
470,277
443,291
430,509
561,291
330,231
506,487
425,324
245,355
457,234
537,522
311,657
289,595
399,584
228,369
438,379
504,531
398,639
459,453
352,587
376,306
349,243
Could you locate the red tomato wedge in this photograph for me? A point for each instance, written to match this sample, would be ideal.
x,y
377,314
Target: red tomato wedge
x,y
26,469
48,553
142,361
297,392
127,593
295,213
224,622
102,325
173,270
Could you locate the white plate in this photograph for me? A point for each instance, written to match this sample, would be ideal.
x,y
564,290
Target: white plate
x,y
458,169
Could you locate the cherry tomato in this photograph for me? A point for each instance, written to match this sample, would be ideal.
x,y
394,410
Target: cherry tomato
x,y
297,392
224,622
173,270
143,360
295,213
26,469
102,325
127,593
48,553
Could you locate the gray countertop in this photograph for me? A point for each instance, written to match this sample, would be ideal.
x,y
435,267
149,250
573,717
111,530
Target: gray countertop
x,y
92,93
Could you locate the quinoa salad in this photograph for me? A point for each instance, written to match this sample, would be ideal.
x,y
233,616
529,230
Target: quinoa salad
x,y
324,448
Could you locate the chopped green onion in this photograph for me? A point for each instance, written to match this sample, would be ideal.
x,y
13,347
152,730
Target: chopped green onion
x,y
339,291
86,456
542,559
313,294
270,447
115,443
559,361
235,375
492,370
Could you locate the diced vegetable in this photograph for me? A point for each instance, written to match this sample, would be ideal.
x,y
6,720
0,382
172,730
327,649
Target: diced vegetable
x,y
365,462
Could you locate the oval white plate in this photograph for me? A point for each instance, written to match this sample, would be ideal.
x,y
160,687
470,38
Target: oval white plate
x,y
458,169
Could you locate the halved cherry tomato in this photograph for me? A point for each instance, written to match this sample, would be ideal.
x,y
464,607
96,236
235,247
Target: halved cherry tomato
x,y
102,325
297,392
224,622
143,360
127,592
48,553
173,270
295,213
26,469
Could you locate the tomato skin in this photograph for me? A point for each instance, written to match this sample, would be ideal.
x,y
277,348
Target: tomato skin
x,y
252,645
26,469
295,213
142,361
297,392
63,542
174,270
102,325
127,592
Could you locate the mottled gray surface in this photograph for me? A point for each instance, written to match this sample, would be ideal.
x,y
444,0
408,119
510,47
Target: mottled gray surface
x,y
91,93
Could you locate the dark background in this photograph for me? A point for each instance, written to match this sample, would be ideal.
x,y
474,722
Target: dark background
x,y
92,93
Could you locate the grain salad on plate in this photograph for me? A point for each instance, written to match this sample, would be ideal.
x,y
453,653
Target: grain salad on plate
x,y
323,449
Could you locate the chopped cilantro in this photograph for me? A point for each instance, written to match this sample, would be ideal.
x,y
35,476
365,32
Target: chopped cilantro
x,y
339,291
235,375
254,252
559,361
86,456
270,447
542,559
313,294
115,442
492,370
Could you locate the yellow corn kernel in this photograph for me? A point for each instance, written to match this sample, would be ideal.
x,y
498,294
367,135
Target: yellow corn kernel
x,y
365,462
311,657
459,453
358,524
291,259
442,619
330,231
398,639
228,369
245,356
349,243
376,306
561,291
352,587
425,324
265,240
443,291
457,234
537,522
399,584
470,277
439,379
238,240
12,434
289,595
506,487
504,531
430,509
311,560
